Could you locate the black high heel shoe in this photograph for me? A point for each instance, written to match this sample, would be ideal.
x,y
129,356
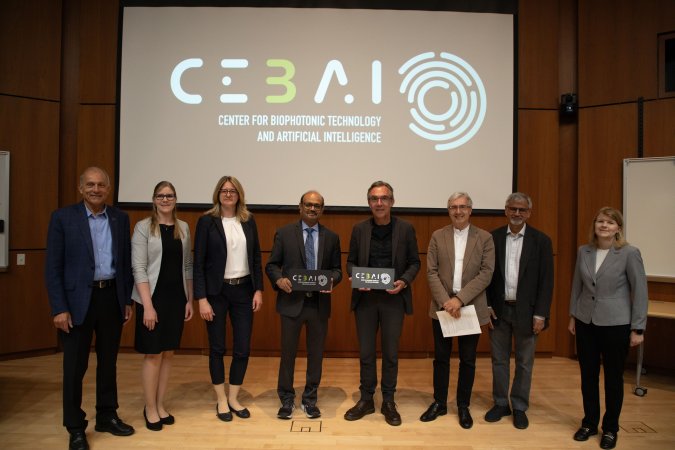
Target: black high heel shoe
x,y
152,426
242,413
168,420
225,417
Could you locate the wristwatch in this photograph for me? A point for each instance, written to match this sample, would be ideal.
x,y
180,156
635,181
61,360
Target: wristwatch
x,y
640,332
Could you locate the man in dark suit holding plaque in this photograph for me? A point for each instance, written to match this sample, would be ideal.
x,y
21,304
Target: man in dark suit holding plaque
x,y
89,281
382,241
304,245
520,297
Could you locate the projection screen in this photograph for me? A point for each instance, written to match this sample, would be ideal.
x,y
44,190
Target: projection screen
x,y
292,99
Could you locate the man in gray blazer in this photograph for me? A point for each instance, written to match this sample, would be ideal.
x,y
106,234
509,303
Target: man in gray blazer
x,y
304,244
382,241
460,261
520,297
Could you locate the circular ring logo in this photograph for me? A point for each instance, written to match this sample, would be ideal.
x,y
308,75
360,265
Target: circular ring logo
x,y
385,278
425,74
322,280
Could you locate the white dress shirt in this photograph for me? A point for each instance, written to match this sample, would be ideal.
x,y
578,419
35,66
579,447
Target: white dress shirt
x,y
461,237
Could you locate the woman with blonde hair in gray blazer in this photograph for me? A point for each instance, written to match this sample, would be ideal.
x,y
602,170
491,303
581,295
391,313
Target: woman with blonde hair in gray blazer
x,y
608,313
162,265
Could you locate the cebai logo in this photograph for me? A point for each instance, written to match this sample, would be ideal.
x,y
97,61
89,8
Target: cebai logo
x,y
423,76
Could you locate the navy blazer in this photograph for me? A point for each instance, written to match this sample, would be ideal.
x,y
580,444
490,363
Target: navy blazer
x,y
535,277
69,268
288,252
405,256
211,256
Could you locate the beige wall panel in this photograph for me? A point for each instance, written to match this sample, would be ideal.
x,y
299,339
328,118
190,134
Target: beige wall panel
x,y
30,48
29,130
659,128
538,54
607,135
618,49
26,315
98,51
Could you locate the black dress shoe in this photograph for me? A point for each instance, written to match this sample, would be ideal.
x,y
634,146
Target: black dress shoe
x,y
78,441
152,426
608,440
433,411
465,420
168,420
242,413
391,416
115,426
496,413
362,408
584,433
520,420
225,417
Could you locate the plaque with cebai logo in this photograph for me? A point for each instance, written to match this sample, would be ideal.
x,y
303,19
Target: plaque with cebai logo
x,y
310,280
372,278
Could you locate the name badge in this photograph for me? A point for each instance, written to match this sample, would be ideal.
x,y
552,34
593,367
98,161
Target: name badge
x,y
310,280
373,278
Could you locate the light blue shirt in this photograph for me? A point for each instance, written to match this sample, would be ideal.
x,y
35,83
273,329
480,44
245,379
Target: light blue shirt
x,y
315,237
101,239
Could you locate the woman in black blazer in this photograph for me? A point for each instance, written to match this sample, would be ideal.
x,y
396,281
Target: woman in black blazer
x,y
228,280
608,312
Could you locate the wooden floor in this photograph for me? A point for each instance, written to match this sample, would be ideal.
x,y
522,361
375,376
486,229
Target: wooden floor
x,y
30,410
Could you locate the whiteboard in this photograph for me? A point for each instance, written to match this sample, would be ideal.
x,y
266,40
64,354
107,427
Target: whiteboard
x,y
649,213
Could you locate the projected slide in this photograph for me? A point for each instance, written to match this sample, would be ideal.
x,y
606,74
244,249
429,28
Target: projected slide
x,y
289,100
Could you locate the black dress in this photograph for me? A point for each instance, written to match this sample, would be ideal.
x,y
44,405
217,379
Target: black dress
x,y
168,299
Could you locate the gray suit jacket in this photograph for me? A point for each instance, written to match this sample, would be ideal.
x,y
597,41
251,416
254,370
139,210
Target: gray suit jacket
x,y
479,263
288,252
146,256
616,294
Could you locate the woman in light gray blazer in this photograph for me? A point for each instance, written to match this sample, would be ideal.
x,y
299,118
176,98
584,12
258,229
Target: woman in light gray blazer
x,y
161,260
608,312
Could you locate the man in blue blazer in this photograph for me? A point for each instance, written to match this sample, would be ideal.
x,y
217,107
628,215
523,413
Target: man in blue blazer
x,y
292,250
520,297
89,280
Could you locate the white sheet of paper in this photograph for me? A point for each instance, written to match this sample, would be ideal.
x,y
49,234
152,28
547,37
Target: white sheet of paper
x,y
466,324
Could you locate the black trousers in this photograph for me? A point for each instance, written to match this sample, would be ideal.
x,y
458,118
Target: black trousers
x,y
467,365
379,310
238,302
609,344
315,333
105,319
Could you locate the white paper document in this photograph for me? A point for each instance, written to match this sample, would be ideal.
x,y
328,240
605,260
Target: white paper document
x,y
466,324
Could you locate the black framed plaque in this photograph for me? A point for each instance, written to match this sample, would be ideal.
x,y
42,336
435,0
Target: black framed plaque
x,y
372,278
310,280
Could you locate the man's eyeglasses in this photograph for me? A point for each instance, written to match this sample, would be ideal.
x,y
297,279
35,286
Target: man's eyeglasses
x,y
380,198
229,191
517,210
458,207
165,197
316,206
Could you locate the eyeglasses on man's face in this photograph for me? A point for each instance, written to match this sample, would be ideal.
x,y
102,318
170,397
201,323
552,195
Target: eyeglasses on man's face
x,y
514,210
229,192
458,207
380,198
168,197
316,206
